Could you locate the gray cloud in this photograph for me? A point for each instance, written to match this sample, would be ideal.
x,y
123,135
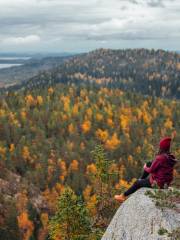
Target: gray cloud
x,y
65,24
156,3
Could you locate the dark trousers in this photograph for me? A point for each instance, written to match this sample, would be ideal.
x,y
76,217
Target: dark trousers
x,y
142,182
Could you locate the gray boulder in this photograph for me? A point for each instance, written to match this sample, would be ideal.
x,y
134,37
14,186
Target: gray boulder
x,y
139,219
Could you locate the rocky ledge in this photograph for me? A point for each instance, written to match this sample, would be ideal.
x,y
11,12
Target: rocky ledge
x,y
142,217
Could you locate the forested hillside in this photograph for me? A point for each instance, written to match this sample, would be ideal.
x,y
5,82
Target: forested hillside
x,y
90,138
149,72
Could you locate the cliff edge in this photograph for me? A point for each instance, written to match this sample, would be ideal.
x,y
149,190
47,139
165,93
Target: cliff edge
x,y
138,218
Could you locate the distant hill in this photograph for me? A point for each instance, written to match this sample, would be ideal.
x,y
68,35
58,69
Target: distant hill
x,y
16,74
140,70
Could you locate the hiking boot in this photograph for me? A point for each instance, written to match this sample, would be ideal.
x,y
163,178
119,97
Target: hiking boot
x,y
120,198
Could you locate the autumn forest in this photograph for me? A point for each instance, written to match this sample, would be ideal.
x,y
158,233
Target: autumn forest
x,y
72,137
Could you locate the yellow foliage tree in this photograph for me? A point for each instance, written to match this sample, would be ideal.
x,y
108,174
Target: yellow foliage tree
x,y
124,122
75,110
12,147
25,225
26,153
86,126
2,152
91,169
110,122
63,168
168,124
74,166
89,112
50,91
113,142
149,131
71,128
147,118
102,135
99,117
39,100
30,101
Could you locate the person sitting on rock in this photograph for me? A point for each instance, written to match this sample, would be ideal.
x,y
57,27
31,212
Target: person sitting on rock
x,y
159,171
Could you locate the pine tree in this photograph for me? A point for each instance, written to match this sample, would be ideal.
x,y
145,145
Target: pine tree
x,y
102,180
71,221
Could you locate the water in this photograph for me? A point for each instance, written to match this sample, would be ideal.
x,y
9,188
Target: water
x,y
5,65
11,59
14,58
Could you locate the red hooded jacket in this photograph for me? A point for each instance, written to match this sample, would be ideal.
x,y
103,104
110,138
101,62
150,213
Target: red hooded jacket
x,y
161,170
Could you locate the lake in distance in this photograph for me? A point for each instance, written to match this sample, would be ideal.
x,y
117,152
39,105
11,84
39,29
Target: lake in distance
x,y
8,65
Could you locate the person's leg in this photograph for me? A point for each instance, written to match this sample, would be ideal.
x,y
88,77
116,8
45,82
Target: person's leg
x,y
137,185
142,182
146,174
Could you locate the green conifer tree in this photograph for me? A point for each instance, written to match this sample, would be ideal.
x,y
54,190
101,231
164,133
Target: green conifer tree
x,y
102,181
71,221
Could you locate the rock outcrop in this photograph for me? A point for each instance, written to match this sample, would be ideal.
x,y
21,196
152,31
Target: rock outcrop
x,y
11,185
139,219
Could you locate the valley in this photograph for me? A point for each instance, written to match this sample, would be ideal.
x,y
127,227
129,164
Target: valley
x,y
82,127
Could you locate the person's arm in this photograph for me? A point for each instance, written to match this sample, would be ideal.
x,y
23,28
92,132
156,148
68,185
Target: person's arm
x,y
155,165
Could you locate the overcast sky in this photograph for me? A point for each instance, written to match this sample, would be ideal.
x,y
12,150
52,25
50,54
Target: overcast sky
x,y
83,25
